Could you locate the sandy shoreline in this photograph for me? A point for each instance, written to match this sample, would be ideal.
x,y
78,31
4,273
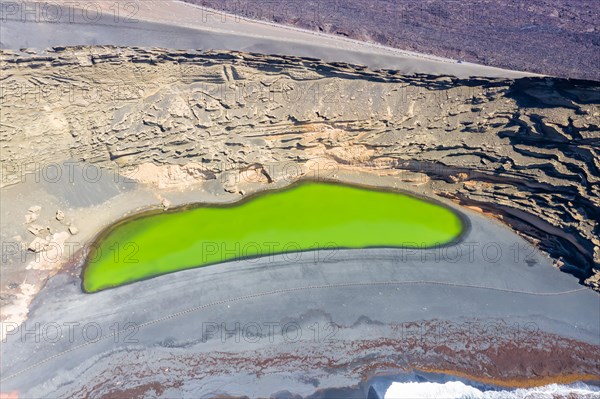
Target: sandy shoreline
x,y
63,292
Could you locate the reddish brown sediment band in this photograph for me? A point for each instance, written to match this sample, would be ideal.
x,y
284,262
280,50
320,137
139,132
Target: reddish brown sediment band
x,y
501,356
217,363
536,360
519,382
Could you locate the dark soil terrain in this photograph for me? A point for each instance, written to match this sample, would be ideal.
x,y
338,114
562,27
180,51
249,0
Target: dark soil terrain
x,y
553,37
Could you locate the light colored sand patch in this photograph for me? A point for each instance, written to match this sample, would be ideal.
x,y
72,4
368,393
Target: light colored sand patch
x,y
48,261
16,313
168,176
52,255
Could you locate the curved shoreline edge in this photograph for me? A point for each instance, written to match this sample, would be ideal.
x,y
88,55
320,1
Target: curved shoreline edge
x,y
97,241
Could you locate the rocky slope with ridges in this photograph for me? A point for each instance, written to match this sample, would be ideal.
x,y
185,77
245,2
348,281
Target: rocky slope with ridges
x,y
526,150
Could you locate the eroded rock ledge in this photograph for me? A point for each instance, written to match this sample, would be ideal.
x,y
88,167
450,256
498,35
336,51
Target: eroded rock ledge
x,y
525,150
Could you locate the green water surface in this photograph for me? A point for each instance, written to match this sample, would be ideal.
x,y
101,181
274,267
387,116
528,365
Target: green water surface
x,y
304,217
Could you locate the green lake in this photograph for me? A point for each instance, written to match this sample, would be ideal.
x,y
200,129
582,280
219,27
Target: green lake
x,y
303,217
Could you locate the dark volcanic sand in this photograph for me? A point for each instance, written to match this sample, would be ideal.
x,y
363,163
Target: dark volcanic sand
x,y
552,37
343,318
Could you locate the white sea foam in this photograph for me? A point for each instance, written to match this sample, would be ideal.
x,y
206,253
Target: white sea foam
x,y
459,390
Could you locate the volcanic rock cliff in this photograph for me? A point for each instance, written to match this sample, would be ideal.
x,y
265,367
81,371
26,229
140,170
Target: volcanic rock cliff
x,y
524,150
